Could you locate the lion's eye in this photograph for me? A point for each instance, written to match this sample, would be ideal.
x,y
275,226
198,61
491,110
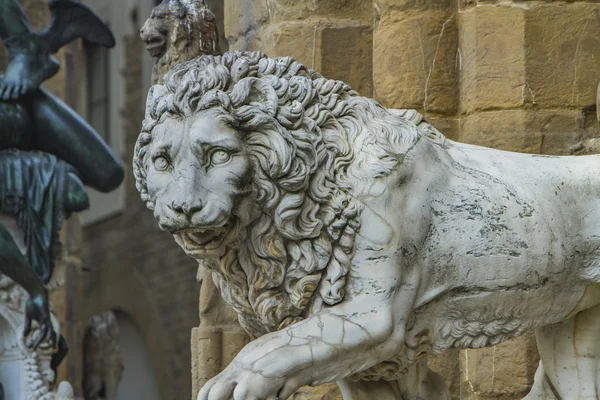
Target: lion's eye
x,y
219,157
161,164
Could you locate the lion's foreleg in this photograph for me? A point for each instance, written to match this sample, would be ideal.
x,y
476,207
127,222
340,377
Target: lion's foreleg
x,y
329,346
326,347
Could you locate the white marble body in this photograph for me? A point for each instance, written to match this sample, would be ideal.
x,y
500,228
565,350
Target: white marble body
x,y
514,232
442,244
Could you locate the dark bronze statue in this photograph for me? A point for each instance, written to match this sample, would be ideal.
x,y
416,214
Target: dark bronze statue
x,y
47,152
30,53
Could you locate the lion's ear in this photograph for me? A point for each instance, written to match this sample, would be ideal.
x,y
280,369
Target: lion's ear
x,y
255,92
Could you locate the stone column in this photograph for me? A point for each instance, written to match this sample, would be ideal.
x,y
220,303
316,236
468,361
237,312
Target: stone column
x,y
218,338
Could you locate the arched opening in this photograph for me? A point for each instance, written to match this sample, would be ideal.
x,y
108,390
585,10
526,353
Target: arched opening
x,y
117,363
138,381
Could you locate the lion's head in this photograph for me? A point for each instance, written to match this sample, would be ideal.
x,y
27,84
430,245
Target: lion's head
x,y
254,164
178,31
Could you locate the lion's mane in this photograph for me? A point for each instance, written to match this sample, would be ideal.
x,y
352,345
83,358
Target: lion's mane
x,y
315,145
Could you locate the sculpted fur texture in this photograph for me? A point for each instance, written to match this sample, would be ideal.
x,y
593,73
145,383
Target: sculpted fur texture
x,y
353,240
304,171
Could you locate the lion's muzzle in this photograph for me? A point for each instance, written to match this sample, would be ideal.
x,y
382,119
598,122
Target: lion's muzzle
x,y
202,243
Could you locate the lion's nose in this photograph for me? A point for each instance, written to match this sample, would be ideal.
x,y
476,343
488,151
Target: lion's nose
x,y
184,207
144,33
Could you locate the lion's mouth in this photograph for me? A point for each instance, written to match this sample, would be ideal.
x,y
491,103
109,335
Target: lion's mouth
x,y
207,242
155,45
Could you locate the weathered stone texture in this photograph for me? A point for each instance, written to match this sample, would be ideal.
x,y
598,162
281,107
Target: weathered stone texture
x,y
492,59
516,75
415,60
502,372
347,55
563,53
300,40
340,49
243,15
555,132
415,4
329,391
297,10
446,365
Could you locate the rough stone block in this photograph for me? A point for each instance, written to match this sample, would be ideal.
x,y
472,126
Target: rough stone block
x,y
415,60
449,126
415,4
563,53
242,15
555,132
329,391
206,357
589,146
300,40
347,55
298,10
561,130
505,130
339,49
446,365
502,372
232,343
492,58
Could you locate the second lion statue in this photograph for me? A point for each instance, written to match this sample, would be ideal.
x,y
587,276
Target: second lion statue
x,y
353,240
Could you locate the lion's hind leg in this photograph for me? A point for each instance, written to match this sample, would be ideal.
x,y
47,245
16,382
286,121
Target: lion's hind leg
x,y
570,358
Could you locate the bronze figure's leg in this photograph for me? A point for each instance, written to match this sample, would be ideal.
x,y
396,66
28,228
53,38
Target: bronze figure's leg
x,y
60,131
59,356
14,265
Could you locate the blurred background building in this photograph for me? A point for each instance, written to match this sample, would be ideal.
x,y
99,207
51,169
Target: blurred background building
x,y
516,75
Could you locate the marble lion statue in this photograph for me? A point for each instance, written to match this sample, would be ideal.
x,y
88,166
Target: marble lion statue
x,y
177,31
353,240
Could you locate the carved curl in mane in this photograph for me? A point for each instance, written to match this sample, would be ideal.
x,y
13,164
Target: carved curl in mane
x,y
302,131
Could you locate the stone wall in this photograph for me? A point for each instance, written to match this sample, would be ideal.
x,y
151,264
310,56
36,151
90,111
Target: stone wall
x,y
515,75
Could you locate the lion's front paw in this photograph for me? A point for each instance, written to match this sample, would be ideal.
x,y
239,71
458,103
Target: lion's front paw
x,y
247,385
